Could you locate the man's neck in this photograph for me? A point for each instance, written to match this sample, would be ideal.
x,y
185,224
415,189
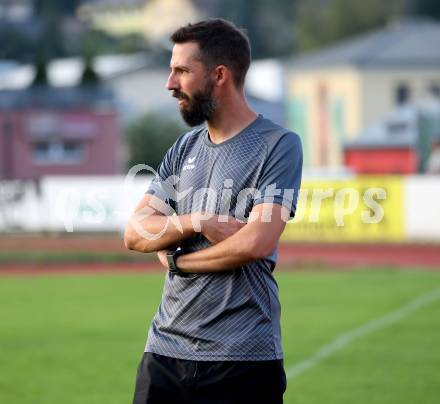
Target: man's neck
x,y
230,119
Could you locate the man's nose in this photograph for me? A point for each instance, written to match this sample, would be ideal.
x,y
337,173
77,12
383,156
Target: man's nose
x,y
172,82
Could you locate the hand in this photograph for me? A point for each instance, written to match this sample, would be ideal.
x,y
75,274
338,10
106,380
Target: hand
x,y
162,255
216,230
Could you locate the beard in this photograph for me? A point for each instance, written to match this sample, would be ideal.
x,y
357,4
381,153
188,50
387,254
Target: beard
x,y
200,106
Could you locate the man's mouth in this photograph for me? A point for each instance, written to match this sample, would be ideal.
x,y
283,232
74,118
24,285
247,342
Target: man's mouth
x,y
180,96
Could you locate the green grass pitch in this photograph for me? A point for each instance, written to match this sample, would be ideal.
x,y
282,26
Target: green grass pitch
x,y
78,339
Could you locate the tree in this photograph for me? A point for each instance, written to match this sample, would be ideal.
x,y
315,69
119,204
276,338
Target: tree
x,y
51,40
428,8
89,76
66,6
148,139
40,78
268,24
319,22
16,45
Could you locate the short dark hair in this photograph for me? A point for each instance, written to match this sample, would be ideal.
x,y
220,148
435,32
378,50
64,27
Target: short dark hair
x,y
220,42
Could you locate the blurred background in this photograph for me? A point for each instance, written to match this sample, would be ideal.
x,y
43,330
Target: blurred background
x,y
83,99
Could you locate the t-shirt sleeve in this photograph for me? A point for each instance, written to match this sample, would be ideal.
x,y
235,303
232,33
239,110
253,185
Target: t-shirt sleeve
x,y
280,180
163,183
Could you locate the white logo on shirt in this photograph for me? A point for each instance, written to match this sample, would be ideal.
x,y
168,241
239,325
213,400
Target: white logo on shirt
x,y
190,164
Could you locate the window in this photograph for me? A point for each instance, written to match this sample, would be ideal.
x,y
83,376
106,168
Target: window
x,y
434,90
73,150
58,152
402,94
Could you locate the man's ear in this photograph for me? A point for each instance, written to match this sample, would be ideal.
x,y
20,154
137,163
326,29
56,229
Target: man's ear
x,y
221,75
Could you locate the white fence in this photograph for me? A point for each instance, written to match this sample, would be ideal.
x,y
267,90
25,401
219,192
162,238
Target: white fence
x,y
59,203
422,207
104,203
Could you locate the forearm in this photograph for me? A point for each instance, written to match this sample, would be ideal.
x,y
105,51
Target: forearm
x,y
243,247
254,241
157,232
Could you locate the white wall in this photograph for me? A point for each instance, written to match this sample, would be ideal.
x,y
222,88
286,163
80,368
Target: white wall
x,y
98,203
104,203
422,207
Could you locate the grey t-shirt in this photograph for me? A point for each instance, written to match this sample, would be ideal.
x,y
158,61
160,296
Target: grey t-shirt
x,y
231,315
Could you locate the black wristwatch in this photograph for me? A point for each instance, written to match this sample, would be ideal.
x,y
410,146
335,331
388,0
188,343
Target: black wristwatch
x,y
171,258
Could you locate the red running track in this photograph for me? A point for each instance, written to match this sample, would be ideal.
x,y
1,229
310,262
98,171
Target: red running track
x,y
358,255
291,256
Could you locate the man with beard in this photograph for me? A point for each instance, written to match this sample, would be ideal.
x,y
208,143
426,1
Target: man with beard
x,y
214,213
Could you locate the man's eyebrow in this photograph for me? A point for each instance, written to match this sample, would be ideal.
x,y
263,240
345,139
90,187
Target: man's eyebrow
x,y
180,67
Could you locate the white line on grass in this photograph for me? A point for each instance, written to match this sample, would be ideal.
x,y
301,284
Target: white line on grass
x,y
368,328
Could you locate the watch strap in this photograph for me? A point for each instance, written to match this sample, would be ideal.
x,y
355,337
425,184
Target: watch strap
x,y
172,258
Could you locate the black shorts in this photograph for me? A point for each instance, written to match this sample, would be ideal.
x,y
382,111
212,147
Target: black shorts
x,y
164,380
